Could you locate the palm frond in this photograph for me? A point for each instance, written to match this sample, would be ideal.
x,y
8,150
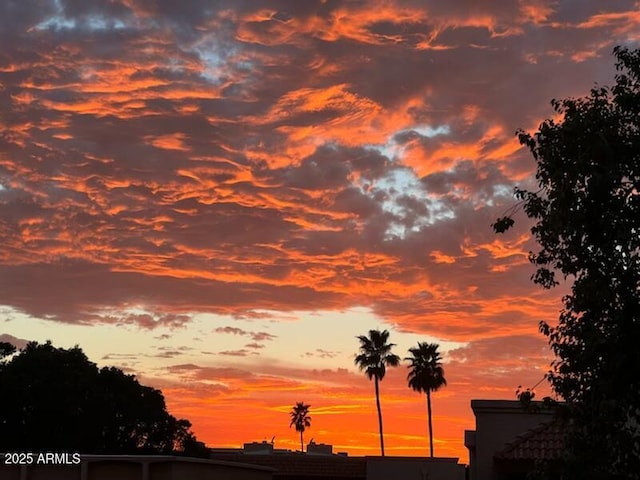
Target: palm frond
x,y
300,416
426,373
375,354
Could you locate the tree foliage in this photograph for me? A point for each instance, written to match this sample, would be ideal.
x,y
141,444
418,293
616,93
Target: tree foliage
x,y
300,419
375,354
56,399
374,358
587,223
6,349
426,375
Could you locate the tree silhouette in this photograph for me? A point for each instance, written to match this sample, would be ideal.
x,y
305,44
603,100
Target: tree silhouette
x,y
426,375
301,419
374,357
587,223
56,399
6,349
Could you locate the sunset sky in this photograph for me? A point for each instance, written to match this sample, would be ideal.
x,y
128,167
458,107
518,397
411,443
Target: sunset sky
x,y
219,196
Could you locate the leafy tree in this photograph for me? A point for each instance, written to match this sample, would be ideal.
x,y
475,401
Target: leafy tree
x,y
6,349
374,358
587,223
56,399
301,419
426,375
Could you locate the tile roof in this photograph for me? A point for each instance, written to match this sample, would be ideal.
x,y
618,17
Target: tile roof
x,y
296,464
544,442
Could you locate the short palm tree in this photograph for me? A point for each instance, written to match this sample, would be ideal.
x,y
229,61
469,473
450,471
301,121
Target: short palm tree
x,y
301,419
374,358
426,375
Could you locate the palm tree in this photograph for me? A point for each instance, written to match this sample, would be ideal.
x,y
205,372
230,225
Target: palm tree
x,y
426,375
375,355
301,419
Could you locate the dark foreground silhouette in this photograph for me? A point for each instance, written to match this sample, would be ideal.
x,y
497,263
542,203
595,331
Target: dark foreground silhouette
x,y
56,399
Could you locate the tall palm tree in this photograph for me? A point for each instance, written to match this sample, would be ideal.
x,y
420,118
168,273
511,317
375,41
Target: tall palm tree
x,y
426,375
375,355
301,419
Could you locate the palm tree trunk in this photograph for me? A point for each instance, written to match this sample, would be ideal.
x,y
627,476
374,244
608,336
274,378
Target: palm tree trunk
x,y
430,425
301,442
379,415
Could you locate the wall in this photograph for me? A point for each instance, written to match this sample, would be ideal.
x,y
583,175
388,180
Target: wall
x,y
414,468
498,422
